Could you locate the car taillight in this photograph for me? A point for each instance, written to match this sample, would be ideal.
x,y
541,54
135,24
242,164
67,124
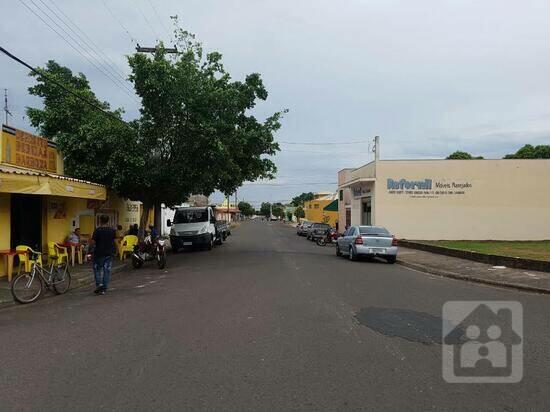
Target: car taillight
x,y
358,240
394,241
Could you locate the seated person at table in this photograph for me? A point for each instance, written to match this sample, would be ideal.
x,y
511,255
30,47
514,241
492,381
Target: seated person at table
x,y
74,237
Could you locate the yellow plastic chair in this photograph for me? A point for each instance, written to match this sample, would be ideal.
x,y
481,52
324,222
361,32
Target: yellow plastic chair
x,y
127,245
57,252
24,260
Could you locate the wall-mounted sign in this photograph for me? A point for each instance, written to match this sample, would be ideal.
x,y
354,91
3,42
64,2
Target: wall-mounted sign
x,y
27,150
360,191
427,188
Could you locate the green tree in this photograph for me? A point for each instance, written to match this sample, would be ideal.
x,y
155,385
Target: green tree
x,y
94,146
304,197
196,133
531,152
265,209
289,216
279,210
299,213
458,155
246,209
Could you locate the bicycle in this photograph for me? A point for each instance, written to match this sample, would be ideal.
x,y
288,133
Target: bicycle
x,y
28,286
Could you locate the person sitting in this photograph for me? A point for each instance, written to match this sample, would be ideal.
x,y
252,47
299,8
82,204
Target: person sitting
x,y
153,232
134,230
74,237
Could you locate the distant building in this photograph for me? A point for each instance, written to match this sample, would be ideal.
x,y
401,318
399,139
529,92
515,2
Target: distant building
x,y
323,208
227,211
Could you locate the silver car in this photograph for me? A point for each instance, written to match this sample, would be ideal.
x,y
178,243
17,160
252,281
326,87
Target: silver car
x,y
301,229
367,241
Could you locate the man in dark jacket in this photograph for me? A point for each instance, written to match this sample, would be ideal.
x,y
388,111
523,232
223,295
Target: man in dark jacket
x,y
103,241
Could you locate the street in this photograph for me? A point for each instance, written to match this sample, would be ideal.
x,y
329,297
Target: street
x,y
267,321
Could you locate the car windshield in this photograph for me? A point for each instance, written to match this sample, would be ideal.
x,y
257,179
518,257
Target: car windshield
x,y
191,216
373,231
321,226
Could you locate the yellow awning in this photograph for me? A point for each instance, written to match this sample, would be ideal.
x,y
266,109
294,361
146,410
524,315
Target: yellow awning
x,y
26,181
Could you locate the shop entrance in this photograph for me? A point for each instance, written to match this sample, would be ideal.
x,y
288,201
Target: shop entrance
x,y
26,221
366,212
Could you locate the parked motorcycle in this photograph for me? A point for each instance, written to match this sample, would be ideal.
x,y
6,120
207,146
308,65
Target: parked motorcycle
x,y
147,250
330,237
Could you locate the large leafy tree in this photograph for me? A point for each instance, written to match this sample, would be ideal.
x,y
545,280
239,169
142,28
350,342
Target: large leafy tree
x,y
196,133
265,209
246,209
96,146
531,152
196,123
459,155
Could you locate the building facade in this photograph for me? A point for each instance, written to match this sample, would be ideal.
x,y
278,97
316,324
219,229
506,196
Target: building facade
x,y
322,209
38,204
453,199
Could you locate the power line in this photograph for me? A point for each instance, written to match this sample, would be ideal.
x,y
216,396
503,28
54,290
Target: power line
x,y
69,43
54,81
159,19
147,21
132,38
110,63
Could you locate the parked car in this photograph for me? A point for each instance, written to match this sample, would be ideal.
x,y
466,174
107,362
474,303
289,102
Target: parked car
x,y
367,241
317,230
301,229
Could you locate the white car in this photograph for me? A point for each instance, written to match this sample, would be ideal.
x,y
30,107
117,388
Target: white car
x,y
368,241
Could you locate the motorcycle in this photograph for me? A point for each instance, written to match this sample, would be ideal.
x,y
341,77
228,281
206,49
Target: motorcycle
x,y
330,237
147,250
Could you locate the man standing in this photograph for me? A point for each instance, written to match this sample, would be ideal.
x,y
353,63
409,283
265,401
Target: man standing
x,y
103,240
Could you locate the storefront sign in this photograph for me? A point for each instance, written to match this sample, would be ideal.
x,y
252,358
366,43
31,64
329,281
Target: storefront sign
x,y
27,150
427,188
360,191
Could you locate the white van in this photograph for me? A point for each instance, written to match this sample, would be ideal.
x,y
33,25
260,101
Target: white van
x,y
195,227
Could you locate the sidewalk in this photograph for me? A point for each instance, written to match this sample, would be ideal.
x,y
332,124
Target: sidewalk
x,y
474,271
81,275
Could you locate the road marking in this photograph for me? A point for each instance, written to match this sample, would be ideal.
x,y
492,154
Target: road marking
x,y
140,286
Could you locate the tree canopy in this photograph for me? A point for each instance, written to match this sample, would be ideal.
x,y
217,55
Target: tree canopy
x,y
458,155
531,152
195,133
299,213
246,209
265,209
304,197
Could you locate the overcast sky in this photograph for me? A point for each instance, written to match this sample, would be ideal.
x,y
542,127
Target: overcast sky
x,y
429,77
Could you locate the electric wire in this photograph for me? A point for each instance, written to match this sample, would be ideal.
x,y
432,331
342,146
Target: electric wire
x,y
132,38
71,44
159,19
93,46
147,21
59,84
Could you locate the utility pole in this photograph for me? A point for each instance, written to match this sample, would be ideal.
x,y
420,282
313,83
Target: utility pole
x,y
6,110
140,49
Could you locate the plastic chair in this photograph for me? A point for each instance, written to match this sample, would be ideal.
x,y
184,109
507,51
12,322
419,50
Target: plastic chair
x,y
24,259
127,245
57,252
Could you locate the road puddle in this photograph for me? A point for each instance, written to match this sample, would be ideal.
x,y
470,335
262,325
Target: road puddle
x,y
403,323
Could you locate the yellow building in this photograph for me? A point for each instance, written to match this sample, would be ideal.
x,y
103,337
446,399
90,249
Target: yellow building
x,y
38,204
322,209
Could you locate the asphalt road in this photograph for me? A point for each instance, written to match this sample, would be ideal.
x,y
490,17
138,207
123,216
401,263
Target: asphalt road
x,y
268,321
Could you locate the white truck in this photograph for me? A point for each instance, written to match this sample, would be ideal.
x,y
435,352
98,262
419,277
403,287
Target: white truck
x,y
196,227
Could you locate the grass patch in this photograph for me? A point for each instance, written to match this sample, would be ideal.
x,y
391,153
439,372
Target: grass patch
x,y
539,250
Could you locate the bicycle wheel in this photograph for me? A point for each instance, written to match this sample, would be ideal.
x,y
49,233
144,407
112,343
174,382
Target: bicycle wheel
x,y
25,288
61,279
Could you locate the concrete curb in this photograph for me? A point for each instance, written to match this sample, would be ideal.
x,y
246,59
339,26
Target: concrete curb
x,y
76,283
453,275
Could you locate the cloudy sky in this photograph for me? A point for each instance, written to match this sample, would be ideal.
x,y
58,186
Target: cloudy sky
x,y
428,76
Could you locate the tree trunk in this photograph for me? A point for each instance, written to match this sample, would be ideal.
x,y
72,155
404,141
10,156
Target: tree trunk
x,y
143,220
158,218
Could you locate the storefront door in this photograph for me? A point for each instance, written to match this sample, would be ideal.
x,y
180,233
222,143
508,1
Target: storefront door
x,y
26,221
366,212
